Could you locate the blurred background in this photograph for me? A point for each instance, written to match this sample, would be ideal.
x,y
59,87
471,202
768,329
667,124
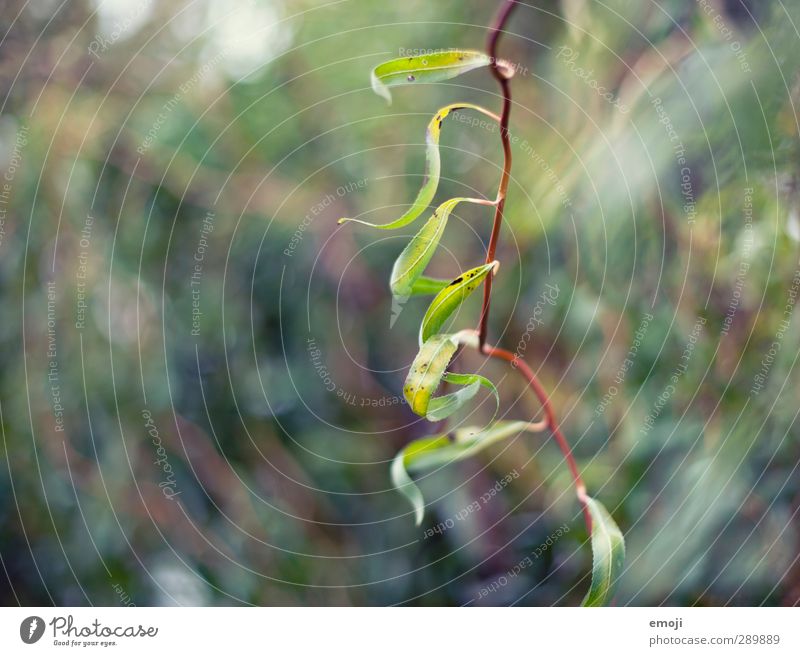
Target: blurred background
x,y
201,371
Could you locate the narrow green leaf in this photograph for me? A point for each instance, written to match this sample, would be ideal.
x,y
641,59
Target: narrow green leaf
x,y
399,472
424,286
448,299
442,407
608,555
411,262
439,450
427,370
433,169
466,443
434,67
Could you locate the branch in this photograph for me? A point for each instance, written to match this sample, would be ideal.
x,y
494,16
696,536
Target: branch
x,y
550,419
502,76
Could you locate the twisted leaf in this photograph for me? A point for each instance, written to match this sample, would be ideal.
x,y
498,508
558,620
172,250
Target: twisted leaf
x,y
399,471
418,252
434,67
448,299
433,169
427,370
424,286
608,555
442,407
439,450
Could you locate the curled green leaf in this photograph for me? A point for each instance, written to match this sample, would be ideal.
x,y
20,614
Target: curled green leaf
x,y
411,262
466,443
433,169
427,370
433,67
424,286
608,555
448,299
399,471
439,450
441,407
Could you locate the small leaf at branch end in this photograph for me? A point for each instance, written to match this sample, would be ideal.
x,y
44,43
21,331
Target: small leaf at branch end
x,y
451,297
433,170
411,262
438,450
608,555
433,67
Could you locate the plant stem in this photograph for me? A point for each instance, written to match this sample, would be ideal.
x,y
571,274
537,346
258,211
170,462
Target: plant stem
x,y
550,418
502,76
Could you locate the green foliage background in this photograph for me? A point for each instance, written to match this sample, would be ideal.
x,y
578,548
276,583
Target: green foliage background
x,y
279,419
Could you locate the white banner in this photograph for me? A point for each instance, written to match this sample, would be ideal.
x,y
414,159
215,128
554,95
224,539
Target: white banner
x,y
390,631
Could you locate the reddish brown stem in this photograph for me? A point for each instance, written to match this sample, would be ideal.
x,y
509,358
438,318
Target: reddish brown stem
x,y
501,74
550,418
